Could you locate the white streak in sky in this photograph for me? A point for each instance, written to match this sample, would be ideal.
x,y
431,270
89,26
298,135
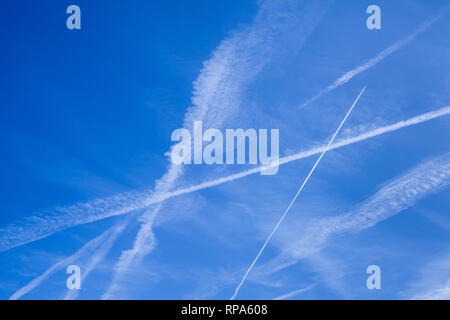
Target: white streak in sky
x,y
433,282
400,194
97,256
99,242
218,93
296,196
438,293
47,223
374,61
295,292
144,243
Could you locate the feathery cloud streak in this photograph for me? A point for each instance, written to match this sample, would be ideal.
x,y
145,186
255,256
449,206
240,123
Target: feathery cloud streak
x,y
346,77
437,293
429,177
218,93
49,222
433,282
101,242
295,292
283,216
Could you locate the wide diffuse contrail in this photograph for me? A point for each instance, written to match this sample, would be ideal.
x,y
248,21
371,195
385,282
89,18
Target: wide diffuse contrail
x,y
372,62
49,222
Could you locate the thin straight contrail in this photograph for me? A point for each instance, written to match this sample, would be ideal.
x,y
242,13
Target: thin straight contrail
x,y
296,195
46,223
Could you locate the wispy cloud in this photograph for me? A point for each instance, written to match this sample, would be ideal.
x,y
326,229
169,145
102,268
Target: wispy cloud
x,y
346,77
49,222
433,282
295,292
438,293
427,178
218,94
98,255
98,245
144,243
283,216
440,219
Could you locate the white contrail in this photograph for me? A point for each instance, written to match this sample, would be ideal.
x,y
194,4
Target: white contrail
x,y
437,293
372,62
89,247
217,93
49,222
218,90
144,243
99,254
433,279
295,292
403,192
296,196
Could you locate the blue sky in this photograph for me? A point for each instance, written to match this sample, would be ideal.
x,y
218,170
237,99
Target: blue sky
x,y
87,117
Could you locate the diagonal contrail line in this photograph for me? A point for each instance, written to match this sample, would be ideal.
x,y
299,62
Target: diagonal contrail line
x,y
17,234
347,76
296,196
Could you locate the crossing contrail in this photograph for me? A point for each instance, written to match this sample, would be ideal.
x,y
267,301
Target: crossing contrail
x,y
217,94
46,223
296,195
395,196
